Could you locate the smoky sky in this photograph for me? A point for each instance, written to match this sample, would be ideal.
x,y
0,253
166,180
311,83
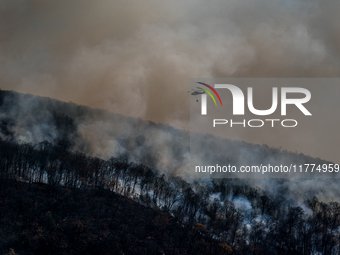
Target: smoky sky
x,y
137,57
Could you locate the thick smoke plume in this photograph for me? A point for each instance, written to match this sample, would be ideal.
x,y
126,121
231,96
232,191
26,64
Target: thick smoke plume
x,y
136,57
26,118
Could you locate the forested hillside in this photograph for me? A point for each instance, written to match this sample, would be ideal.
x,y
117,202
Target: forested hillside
x,y
33,119
84,193
44,219
50,150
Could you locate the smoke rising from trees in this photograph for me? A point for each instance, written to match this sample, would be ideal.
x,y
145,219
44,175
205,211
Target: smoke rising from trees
x,y
136,58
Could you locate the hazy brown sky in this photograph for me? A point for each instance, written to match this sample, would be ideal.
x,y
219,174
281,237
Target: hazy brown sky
x,y
137,57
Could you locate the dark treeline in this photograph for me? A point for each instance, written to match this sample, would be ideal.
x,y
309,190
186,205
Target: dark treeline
x,y
246,220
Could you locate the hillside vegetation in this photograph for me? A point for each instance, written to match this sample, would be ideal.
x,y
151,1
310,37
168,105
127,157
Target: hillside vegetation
x,y
76,180
70,201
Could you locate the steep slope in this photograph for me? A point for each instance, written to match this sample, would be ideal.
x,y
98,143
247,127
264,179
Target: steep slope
x,y
44,219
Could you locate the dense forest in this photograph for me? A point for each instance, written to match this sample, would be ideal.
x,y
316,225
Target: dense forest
x,y
246,219
70,186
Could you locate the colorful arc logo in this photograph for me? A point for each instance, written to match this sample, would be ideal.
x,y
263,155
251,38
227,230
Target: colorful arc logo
x,y
208,92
